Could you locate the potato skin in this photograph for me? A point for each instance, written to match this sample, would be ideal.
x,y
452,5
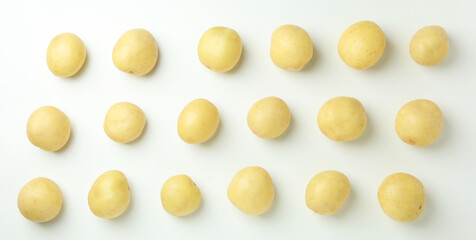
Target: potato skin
x,y
65,55
40,200
198,121
180,196
327,192
109,196
219,49
48,128
124,122
291,47
269,117
429,45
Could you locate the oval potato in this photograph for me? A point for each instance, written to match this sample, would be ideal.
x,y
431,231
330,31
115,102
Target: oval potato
x,y
124,122
269,117
180,196
65,55
48,128
327,192
219,49
40,200
291,47
429,46
198,121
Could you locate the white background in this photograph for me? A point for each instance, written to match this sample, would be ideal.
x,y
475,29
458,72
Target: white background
x,y
446,168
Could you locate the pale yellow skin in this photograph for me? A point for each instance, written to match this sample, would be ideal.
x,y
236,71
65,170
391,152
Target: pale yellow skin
x,y
124,122
342,119
40,200
419,122
251,190
327,192
291,47
136,52
361,45
109,196
180,196
429,46
198,121
402,197
65,55
269,117
48,128
219,49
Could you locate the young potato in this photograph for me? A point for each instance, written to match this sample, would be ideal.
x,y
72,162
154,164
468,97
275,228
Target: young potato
x,y
269,117
136,52
291,47
342,119
361,45
327,192
419,122
402,197
65,55
109,196
429,46
251,190
180,196
48,128
219,49
40,200
124,122
198,121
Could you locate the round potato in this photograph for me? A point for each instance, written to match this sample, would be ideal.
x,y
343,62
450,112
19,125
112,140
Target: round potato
x,y
361,45
40,200
342,119
269,117
136,52
251,190
124,122
429,46
419,122
65,55
180,196
198,121
109,196
219,49
291,47
327,192
402,197
48,128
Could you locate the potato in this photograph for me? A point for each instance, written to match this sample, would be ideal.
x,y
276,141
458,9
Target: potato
x,y
136,52
291,47
419,122
402,197
180,196
124,122
327,192
48,128
269,117
342,119
40,200
65,55
219,49
361,45
251,190
109,196
198,121
429,46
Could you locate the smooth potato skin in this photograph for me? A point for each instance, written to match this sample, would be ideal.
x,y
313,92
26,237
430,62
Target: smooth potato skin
x,y
402,197
65,55
429,46
198,121
361,45
291,47
180,196
48,128
419,122
219,49
269,117
124,122
40,200
327,192
109,196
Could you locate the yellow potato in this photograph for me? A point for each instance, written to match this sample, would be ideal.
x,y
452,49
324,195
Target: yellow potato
x,y
402,197
124,122
342,119
419,122
180,196
269,117
109,196
327,192
251,190
198,121
219,49
361,45
291,47
136,52
65,55
40,200
48,128
429,46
